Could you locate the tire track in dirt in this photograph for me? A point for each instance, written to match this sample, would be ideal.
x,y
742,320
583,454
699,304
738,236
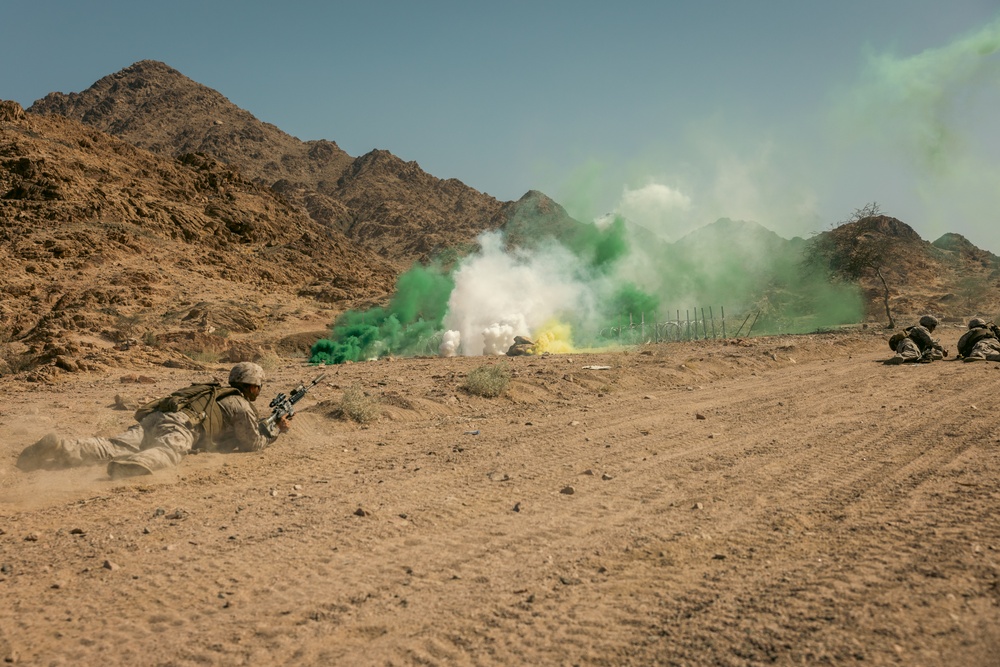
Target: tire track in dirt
x,y
867,481
548,534
913,473
561,624
789,539
531,541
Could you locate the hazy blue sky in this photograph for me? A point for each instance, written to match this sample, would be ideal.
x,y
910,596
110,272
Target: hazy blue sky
x,y
791,113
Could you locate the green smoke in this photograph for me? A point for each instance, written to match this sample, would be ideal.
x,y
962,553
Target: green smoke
x,y
629,298
600,248
911,102
742,268
932,115
601,251
408,326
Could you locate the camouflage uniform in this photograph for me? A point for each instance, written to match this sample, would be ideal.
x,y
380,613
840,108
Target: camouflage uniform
x,y
981,342
160,440
918,345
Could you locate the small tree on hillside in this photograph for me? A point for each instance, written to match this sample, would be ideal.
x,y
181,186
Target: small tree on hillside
x,y
851,257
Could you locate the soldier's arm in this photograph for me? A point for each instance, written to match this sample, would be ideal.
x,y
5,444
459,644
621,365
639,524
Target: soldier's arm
x,y
245,429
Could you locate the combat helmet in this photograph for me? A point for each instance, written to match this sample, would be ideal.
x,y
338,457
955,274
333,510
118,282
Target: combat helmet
x,y
246,372
929,321
977,323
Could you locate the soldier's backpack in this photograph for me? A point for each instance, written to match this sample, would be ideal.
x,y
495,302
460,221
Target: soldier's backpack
x,y
897,337
198,402
971,337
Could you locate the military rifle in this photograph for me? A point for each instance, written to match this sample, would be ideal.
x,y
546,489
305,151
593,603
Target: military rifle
x,y
281,405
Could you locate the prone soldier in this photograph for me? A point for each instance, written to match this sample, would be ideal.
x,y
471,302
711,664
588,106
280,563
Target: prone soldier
x,y
915,344
981,342
206,416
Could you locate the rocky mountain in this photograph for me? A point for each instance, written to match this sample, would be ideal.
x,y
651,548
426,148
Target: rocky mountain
x,y
387,205
148,218
950,277
150,208
961,247
99,237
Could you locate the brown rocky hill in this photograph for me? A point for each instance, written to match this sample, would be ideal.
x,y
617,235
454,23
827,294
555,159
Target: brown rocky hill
x,y
390,206
950,277
103,242
151,208
963,248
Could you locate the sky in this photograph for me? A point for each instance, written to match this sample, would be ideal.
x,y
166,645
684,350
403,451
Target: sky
x,y
674,113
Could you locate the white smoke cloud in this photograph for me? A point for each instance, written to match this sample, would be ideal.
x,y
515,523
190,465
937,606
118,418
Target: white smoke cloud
x,y
450,343
499,336
499,294
657,207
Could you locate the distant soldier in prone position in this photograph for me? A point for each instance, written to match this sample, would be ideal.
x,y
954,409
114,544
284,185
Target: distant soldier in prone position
x,y
981,342
207,416
915,344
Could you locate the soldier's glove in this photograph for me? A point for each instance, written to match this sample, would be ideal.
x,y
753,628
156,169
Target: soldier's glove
x,y
283,424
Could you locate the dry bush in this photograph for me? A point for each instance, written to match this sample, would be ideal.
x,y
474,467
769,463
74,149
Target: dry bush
x,y
489,381
14,359
126,328
269,361
359,406
151,338
202,356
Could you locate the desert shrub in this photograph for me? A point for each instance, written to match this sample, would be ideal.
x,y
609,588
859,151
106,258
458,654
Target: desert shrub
x,y
125,327
151,339
489,381
203,356
359,406
12,361
269,361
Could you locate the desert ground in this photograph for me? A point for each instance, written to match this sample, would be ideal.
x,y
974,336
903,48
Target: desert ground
x,y
781,500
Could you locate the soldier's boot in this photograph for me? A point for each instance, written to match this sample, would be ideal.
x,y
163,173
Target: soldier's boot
x,y
976,356
42,454
123,469
993,357
895,360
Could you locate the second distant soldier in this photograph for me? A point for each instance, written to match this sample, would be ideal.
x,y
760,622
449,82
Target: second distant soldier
x,y
915,344
981,342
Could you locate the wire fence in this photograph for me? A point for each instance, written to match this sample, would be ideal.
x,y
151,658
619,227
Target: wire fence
x,y
692,324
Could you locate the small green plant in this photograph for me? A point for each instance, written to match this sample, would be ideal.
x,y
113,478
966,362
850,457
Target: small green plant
x,y
489,381
359,406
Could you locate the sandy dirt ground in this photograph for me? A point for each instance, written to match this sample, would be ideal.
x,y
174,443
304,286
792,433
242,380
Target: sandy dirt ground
x,y
785,500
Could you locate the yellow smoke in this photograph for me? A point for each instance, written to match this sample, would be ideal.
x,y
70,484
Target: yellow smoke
x,y
554,338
